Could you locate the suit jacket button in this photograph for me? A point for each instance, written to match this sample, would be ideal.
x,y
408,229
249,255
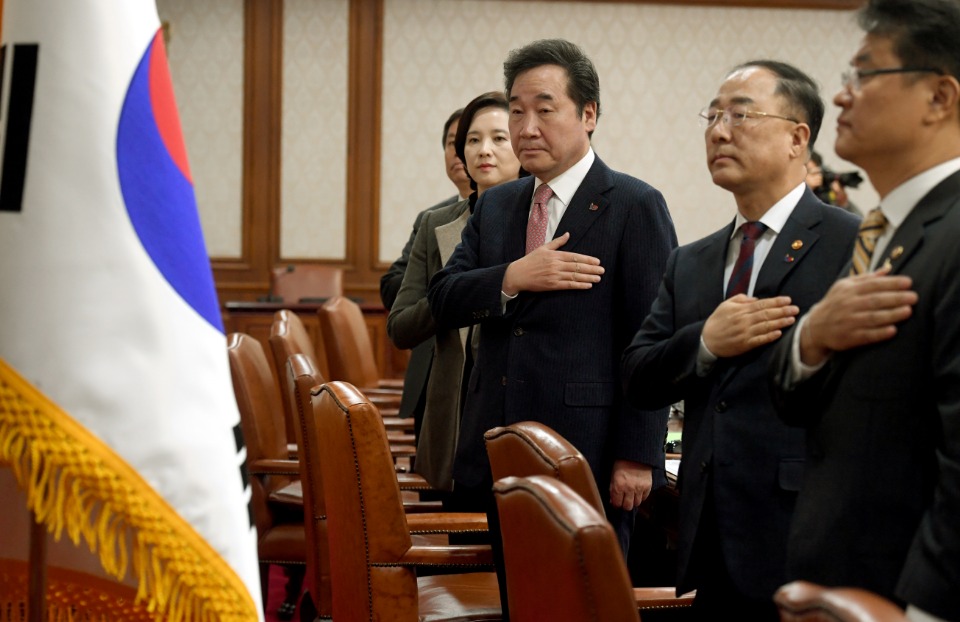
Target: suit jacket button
x,y
720,407
503,380
518,331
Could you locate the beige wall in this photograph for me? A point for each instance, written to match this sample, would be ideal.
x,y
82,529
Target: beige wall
x,y
658,66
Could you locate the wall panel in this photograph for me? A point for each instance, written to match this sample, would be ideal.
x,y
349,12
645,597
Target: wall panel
x,y
658,64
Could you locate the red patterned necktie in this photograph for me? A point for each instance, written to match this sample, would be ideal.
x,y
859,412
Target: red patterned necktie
x,y
537,225
870,231
740,277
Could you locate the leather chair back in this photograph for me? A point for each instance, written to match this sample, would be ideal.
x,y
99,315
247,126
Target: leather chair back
x,y
562,559
294,283
300,378
801,601
367,528
350,355
531,448
288,336
261,418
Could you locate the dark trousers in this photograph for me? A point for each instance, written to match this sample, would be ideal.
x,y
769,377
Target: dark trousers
x,y
718,597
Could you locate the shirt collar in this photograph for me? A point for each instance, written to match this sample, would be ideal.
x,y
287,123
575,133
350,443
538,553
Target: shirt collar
x,y
776,217
565,184
902,199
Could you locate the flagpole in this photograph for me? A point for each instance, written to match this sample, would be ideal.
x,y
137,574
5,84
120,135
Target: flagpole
x,y
37,588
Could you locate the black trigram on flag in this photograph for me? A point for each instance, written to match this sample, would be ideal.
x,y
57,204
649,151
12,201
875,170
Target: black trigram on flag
x,y
16,99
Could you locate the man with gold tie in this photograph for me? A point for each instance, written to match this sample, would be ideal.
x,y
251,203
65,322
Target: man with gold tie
x,y
873,370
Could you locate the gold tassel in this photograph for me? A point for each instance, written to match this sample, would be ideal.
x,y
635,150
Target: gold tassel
x,y
75,483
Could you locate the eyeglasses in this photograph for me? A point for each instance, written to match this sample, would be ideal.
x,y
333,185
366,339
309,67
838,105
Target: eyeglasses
x,y
734,116
853,78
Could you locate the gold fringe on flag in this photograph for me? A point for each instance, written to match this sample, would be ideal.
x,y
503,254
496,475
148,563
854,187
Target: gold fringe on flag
x,y
73,481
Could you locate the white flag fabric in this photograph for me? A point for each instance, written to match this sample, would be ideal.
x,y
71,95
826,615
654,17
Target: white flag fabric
x,y
108,304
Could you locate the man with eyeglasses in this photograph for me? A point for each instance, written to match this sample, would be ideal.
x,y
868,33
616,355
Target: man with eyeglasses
x,y
707,341
873,370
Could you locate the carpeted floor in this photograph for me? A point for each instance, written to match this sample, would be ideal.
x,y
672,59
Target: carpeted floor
x,y
276,591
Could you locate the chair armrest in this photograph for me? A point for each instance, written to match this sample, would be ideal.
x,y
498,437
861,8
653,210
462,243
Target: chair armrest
x,y
400,438
275,467
447,522
398,424
461,556
412,481
398,451
661,598
290,495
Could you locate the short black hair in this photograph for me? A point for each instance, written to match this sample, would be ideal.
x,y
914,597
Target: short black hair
x,y
925,33
446,126
583,83
800,90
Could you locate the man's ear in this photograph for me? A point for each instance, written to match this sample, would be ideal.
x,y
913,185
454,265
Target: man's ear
x,y
589,116
944,98
800,138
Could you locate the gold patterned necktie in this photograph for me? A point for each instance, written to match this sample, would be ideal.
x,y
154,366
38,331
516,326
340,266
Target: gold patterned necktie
x,y
871,229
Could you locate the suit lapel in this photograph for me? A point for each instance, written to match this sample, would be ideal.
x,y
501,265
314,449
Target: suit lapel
x,y
515,221
791,246
909,236
587,204
448,236
713,256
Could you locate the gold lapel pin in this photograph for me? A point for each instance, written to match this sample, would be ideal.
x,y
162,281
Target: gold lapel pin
x,y
797,245
896,252
886,264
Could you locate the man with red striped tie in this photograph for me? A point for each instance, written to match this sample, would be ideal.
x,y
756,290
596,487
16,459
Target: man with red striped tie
x,y
723,302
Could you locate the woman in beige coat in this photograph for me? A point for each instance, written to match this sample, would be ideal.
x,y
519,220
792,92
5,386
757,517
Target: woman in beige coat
x,y
483,143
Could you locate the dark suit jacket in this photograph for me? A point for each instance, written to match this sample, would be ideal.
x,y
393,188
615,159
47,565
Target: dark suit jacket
x,y
418,368
410,323
880,503
730,430
554,356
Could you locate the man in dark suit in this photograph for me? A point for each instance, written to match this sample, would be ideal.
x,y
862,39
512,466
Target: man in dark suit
x,y
559,286
707,340
421,356
873,370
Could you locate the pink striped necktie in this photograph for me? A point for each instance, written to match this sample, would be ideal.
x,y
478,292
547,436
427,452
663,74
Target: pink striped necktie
x,y
537,224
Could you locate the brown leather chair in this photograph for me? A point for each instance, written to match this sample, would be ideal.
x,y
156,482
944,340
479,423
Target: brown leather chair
x,y
350,354
562,559
373,560
530,448
801,601
276,503
301,378
288,336
294,283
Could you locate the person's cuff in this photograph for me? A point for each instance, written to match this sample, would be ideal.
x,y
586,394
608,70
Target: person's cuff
x,y
505,298
800,371
705,359
916,614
